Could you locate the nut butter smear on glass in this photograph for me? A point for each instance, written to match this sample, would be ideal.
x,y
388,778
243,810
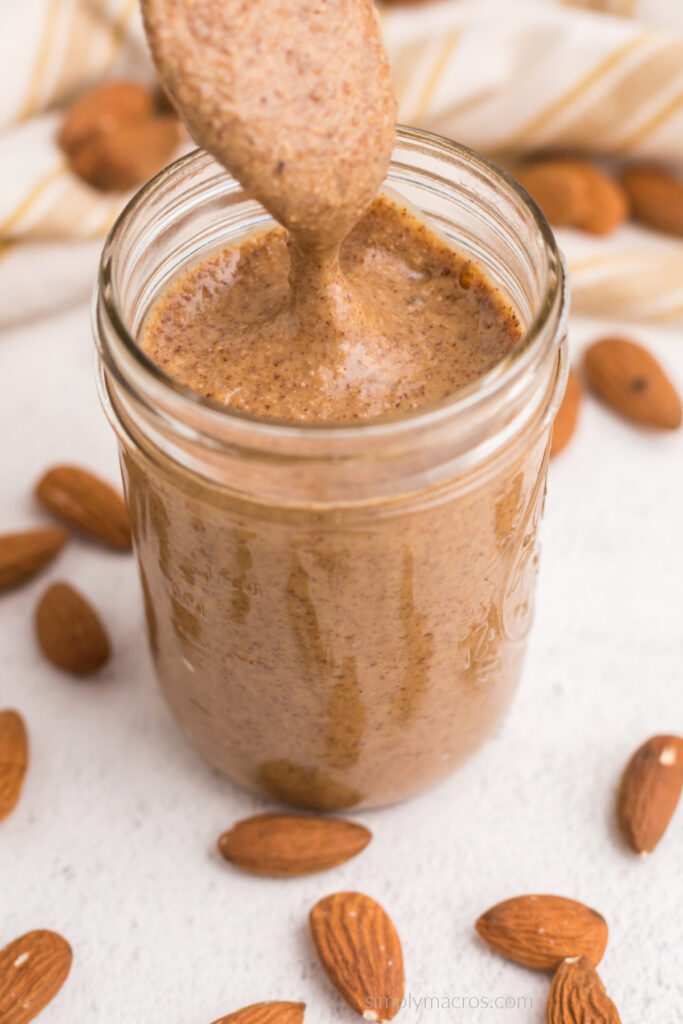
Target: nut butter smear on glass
x,y
357,309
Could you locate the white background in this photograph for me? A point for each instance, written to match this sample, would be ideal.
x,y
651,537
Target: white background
x,y
113,843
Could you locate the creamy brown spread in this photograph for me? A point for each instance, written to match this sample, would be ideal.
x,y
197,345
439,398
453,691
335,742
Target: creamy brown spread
x,y
330,655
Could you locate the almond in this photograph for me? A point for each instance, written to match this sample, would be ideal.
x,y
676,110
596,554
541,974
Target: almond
x,y
13,760
650,790
285,845
85,501
70,632
567,415
129,155
361,953
541,931
23,555
102,110
574,193
266,1013
630,380
577,996
656,198
32,971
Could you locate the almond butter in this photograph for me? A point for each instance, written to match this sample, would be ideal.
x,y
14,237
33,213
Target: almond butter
x,y
574,193
33,968
656,198
577,996
102,110
567,415
630,380
13,760
541,931
266,1013
70,632
85,501
286,845
128,155
23,555
361,953
650,790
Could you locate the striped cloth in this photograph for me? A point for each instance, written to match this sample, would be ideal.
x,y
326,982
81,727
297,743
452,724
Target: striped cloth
x,y
603,76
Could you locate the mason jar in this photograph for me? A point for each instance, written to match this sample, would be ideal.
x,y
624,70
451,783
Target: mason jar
x,y
337,613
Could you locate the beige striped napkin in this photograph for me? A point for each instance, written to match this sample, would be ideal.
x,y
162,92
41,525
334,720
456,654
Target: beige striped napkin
x,y
605,76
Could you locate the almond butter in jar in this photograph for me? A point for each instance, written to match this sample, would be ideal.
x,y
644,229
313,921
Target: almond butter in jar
x,y
337,613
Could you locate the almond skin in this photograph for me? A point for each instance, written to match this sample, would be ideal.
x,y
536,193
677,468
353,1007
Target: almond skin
x,y
656,198
103,110
577,996
266,1013
650,790
70,632
630,380
567,415
286,845
360,952
85,501
23,555
13,760
129,155
33,968
574,193
541,931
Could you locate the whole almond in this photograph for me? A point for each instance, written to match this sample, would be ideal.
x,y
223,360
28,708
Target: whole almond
x,y
70,632
577,996
266,1013
361,953
102,110
567,415
574,193
13,760
85,501
32,971
541,931
559,188
630,380
285,845
23,555
650,790
129,155
656,198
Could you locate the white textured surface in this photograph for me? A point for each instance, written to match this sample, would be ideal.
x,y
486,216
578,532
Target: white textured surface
x,y
113,841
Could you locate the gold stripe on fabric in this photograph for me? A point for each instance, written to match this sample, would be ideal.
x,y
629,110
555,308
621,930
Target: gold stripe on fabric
x,y
434,78
545,117
32,99
670,108
77,52
27,202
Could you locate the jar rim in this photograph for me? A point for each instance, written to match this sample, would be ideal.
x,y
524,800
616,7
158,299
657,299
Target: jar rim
x,y
260,428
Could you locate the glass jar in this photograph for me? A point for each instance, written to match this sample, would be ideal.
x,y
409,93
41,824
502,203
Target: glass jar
x,y
337,614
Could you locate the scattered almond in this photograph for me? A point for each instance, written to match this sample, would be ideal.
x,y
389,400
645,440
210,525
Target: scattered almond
x,y
577,996
23,555
361,953
32,971
541,931
567,415
13,760
656,198
574,193
285,845
629,379
266,1013
85,501
103,110
127,156
70,632
650,789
